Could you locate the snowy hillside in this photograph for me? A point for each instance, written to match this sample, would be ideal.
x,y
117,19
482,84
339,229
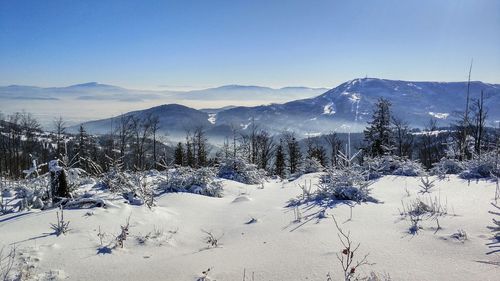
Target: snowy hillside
x,y
259,237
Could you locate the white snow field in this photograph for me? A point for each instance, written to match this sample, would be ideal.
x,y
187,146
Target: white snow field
x,y
258,235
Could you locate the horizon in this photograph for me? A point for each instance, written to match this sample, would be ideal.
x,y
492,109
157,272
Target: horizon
x,y
244,85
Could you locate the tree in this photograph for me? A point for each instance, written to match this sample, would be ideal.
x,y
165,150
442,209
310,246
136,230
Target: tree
x,y
124,132
378,133
335,146
279,164
200,142
190,160
59,130
141,131
155,126
403,139
431,144
179,155
316,151
294,153
264,147
81,147
479,116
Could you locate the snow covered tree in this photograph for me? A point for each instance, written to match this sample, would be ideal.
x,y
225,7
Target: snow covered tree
x,y
59,186
378,133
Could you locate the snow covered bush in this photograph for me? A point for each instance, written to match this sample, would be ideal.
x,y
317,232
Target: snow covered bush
x,y
312,165
185,179
447,166
486,166
345,184
392,165
239,170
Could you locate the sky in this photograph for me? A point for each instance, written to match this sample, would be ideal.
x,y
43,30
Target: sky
x,y
199,44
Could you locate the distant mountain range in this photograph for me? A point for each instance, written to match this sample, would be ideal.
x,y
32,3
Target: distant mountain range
x,y
96,91
92,100
346,107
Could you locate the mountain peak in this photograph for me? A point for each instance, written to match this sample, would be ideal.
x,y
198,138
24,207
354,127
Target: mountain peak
x,y
92,85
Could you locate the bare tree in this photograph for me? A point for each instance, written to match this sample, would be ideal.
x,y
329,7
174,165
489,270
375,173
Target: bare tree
x,y
124,132
480,114
141,129
155,126
59,131
265,149
402,137
335,146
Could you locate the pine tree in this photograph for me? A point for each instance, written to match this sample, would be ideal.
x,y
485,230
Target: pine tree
x,y
200,142
317,151
279,164
190,161
179,154
378,134
82,148
294,153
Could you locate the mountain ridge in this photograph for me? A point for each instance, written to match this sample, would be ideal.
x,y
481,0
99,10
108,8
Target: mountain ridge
x,y
347,107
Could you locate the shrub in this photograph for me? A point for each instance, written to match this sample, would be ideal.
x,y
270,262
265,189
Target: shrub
x,y
447,166
345,184
61,227
239,170
426,185
392,165
184,179
481,167
312,165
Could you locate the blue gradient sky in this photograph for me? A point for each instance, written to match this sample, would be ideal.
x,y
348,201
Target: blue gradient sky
x,y
195,44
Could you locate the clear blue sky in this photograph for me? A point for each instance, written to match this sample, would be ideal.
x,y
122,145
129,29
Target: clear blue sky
x,y
153,44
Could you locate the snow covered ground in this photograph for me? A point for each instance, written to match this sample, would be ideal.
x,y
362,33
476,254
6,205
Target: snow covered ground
x,y
259,235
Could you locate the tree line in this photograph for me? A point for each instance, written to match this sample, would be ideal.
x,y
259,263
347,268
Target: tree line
x,y
136,143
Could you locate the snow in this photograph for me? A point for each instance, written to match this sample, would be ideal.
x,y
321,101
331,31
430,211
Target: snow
x,y
259,235
439,115
245,126
212,117
329,109
355,97
413,85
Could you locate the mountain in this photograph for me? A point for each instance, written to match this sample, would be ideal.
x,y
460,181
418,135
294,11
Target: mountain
x,y
174,119
97,91
344,108
351,104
